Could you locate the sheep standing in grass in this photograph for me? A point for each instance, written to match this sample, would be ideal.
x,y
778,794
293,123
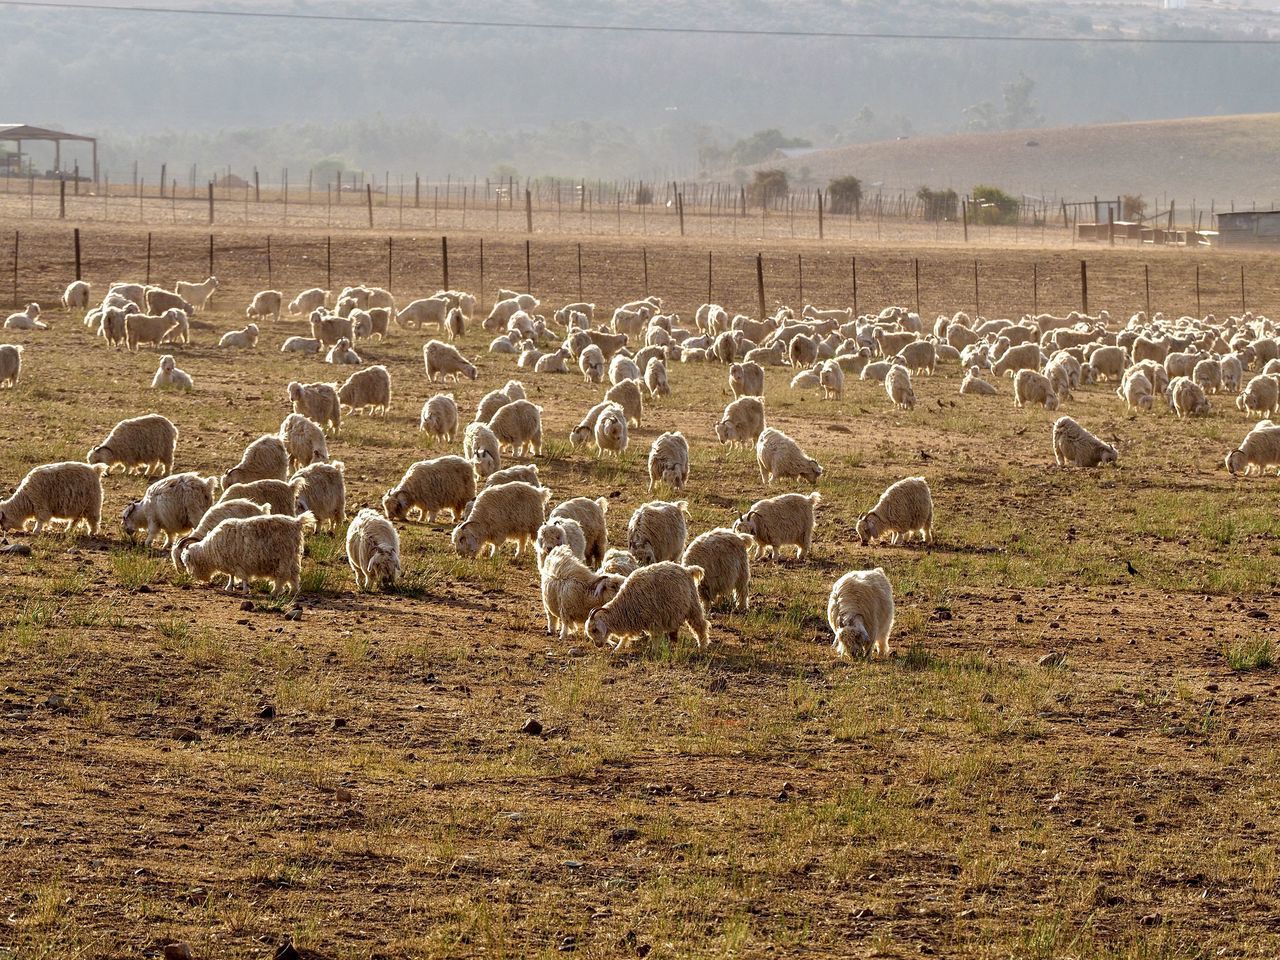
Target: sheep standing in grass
x,y
439,418
142,328
26,320
76,296
746,379
1135,390
831,379
321,490
197,294
430,486
627,395
236,509
610,431
69,491
367,391
1186,398
783,521
655,378
560,532
590,515
373,550
669,461
304,441
521,473
1032,387
172,507
168,375
591,363
443,361
904,509
726,565
1259,451
264,459
142,444
584,432
860,612
10,364
571,591
481,447
919,356
656,599
318,402
897,384
307,301
276,494
1260,397
1076,446
1207,375
246,338
518,427
658,530
742,422
781,458
257,548
619,561
329,329
265,303
513,512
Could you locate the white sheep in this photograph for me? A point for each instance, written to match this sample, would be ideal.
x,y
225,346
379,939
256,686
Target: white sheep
x,y
143,444
26,320
610,431
903,510
140,328
860,613
1186,398
726,565
321,490
560,532
430,486
433,310
742,422
300,345
572,591
656,599
10,364
246,338
481,447
591,363
584,432
367,391
1074,445
70,492
265,303
1032,387
521,472
782,521
518,427
329,329
781,458
171,507
513,512
655,378
626,394
341,353
264,459
1261,396
76,296
168,375
439,418
658,531
619,561
746,379
556,362
590,515
974,385
197,294
1135,390
304,441
669,461
373,550
831,379
1208,374
897,384
307,301
276,494
1259,451
256,548
443,361
318,402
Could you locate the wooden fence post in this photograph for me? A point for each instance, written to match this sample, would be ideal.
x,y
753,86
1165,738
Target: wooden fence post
x,y
77,243
389,262
977,300
62,199
164,171
328,262
528,268
916,263
149,258
528,211
760,283
1084,288
17,239
1198,311
1146,282
855,287
368,199
210,203
820,206
964,215
444,262
482,273
644,253
680,210
579,272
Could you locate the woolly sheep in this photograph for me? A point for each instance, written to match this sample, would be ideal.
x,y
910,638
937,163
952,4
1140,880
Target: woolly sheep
x,y
879,370
142,328
426,310
236,509
669,461
591,363
1181,364
860,613
523,473
11,364
1025,356
318,402
257,548
143,444
161,301
265,303
806,380
656,599
1109,362
1186,398
1135,390
197,294
919,356
430,486
571,591
781,458
329,329
897,384
248,337
584,432
321,490
622,368
367,390
481,447
610,431
308,300
746,379
518,427
783,521
341,353
619,561
1259,451
304,441
831,378
444,361
300,345
171,506
553,362
373,550
722,555
1032,387
1231,370
560,532
658,531
742,421
1074,445
264,459
26,320
511,512
590,515
490,404
655,378
276,494
68,491
167,375
439,418
1261,396
904,509
627,395
76,296
973,384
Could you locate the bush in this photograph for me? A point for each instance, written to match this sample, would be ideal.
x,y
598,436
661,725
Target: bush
x,y
768,187
993,206
644,195
938,204
844,194
1132,207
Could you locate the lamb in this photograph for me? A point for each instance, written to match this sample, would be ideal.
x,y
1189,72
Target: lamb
x,y
265,303
367,391
572,592
1231,371
658,530
511,512
504,344
619,561
197,294
171,507
304,441
308,300
341,353
68,491
427,310
656,599
430,486
1074,445
439,418
1032,387
379,320
831,379
143,443
590,516
1155,372
1181,364
26,320
655,378
919,356
742,421
609,343
481,447
264,548
10,364
610,431
806,380
552,362
518,427
76,296
904,509
563,315
300,345
722,555
803,351
140,328
444,361
1135,390
974,385
560,532
373,550
1259,450
246,338
897,384
783,521
878,372
318,402
321,490
669,461
781,458
746,379
522,472
860,613
237,509
585,431
264,459
162,301
276,494
627,395
1261,396
591,363
167,375
1186,398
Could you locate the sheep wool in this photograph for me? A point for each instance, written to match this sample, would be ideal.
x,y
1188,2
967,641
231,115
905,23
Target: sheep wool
x,y
669,461
439,418
571,591
591,516
786,520
264,459
1075,446
320,489
257,548
781,458
658,530
367,391
141,444
903,510
726,565
657,599
277,494
171,507
68,491
430,486
513,512
236,509
860,613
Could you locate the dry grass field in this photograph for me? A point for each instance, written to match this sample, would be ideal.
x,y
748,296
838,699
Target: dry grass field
x,y
180,766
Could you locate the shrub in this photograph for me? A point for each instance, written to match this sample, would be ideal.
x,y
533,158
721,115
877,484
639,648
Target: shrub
x,y
768,187
938,204
993,205
844,194
1132,207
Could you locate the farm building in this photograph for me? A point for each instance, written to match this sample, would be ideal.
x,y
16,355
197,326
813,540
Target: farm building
x,y
18,133
1249,228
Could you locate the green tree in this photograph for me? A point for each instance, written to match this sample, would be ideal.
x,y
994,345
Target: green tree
x,y
993,206
761,145
938,204
1019,109
844,194
768,187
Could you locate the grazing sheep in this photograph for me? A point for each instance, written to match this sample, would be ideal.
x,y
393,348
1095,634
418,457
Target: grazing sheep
x,y
560,532
236,509
1261,396
1032,387
518,427
591,363
722,555
831,379
197,294
522,473
571,591
264,459
897,384
361,325
276,494
803,351
429,486
341,353
806,380
1181,364
373,550
321,490
1186,398
585,431
490,404
1259,450
590,516
257,548
308,300
610,431
26,320
171,506
622,367
669,461
247,338
658,531
655,378
783,521
742,422
11,364
860,612
746,379
973,384
140,328
656,599
76,296
1074,445
919,356
1135,390
265,303
161,301
143,444
68,491
781,458
619,561
481,447
1024,356
304,440
427,310
444,361
300,345
439,418
904,509
878,371
367,391
318,402
1109,362
627,395
167,375
511,512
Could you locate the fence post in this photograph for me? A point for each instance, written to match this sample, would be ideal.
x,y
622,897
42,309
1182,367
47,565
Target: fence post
x,y
1084,287
708,276
1146,282
579,272
164,171
916,263
149,258
257,187
964,216
1035,288
328,262
368,199
77,243
482,273
1243,308
62,199
210,203
977,301
760,283
1111,225
680,210
417,191
855,287
17,239
1198,311
444,262
528,211
820,205
800,275
269,284
528,268
644,253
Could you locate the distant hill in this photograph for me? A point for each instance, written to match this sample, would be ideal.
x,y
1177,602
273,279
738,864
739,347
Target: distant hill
x,y
1200,158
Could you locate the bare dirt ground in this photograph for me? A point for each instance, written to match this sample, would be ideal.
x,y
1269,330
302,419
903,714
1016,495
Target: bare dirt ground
x,y
177,767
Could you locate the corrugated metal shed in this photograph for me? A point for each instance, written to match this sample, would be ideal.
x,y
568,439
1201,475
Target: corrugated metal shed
x,y
1259,228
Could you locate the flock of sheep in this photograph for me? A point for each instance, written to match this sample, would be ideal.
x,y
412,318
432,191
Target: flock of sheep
x,y
251,523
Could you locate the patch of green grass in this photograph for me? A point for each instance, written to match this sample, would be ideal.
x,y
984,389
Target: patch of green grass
x,y
1255,653
133,567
